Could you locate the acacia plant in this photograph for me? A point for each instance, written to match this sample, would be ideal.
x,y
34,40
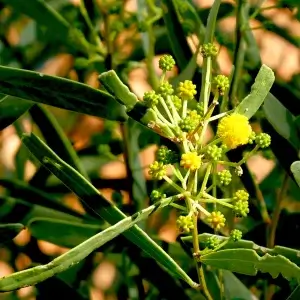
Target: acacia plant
x,y
203,123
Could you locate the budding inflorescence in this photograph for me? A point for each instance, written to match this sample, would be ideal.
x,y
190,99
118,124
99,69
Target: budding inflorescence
x,y
199,169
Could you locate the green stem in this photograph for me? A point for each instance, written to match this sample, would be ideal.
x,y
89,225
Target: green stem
x,y
204,182
174,185
240,48
166,108
88,21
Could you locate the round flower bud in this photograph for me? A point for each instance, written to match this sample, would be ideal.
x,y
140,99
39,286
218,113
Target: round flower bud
x,y
186,90
185,223
200,109
241,195
166,62
234,130
151,99
209,49
166,156
216,219
235,235
263,140
157,195
191,161
252,138
214,152
241,208
224,177
165,89
157,170
221,83
212,242
190,122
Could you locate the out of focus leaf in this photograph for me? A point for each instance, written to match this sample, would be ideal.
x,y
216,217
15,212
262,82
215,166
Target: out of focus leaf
x,y
234,288
180,48
9,231
281,119
12,108
60,92
62,233
57,26
295,168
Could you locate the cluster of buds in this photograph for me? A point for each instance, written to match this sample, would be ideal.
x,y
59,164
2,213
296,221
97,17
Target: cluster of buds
x,y
175,114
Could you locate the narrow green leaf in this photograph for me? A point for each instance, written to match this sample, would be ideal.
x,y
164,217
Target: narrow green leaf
x,y
295,168
60,92
37,274
57,26
55,136
281,119
91,196
179,45
259,91
118,89
62,233
34,196
246,261
18,211
211,22
11,109
10,231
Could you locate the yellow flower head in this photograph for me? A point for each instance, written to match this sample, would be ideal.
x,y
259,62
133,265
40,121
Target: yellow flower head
x,y
186,90
234,130
217,220
190,160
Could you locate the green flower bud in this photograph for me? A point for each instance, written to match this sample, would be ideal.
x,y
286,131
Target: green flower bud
x,y
263,140
166,156
241,208
214,152
216,219
224,177
185,223
209,49
235,235
200,109
252,138
212,242
157,195
190,122
165,89
176,101
186,90
221,83
157,170
151,99
166,62
241,195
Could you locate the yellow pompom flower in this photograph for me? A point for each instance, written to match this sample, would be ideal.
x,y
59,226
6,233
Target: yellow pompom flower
x,y
186,90
191,161
234,130
216,219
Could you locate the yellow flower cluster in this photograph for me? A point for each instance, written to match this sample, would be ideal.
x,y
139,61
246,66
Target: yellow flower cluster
x,y
234,130
191,161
